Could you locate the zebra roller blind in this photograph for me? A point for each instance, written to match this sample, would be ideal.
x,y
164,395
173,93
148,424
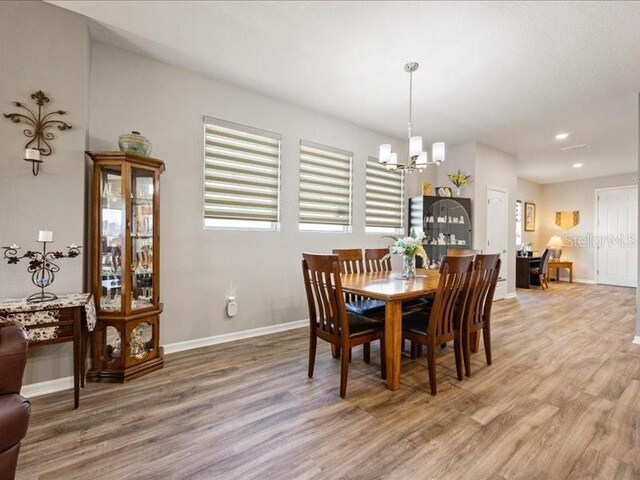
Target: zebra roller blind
x,y
325,185
241,173
384,197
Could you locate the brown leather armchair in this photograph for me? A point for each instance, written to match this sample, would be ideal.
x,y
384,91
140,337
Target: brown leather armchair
x,y
14,409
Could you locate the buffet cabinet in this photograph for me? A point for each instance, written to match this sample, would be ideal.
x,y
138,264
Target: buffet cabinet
x,y
445,222
125,265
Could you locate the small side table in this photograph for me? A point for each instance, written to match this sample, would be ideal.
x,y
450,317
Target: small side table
x,y
558,264
65,319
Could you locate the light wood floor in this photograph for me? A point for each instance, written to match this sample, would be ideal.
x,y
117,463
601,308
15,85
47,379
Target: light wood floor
x,y
561,401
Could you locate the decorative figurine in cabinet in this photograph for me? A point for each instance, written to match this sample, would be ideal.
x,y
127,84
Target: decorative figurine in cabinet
x,y
445,222
125,265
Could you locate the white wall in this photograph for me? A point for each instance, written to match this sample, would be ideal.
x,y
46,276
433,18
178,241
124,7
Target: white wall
x,y
496,169
531,192
166,104
637,339
43,48
461,157
489,167
576,195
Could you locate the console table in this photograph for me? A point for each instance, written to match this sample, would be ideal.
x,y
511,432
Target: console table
x,y
56,321
558,264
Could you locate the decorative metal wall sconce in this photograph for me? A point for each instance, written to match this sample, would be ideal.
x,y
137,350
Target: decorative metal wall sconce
x,y
38,124
41,264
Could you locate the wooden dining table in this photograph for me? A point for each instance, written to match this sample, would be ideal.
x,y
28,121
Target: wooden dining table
x,y
392,289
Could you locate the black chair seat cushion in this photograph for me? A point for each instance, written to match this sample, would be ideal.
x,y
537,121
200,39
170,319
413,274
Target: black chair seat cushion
x,y
365,307
418,304
359,325
14,419
416,321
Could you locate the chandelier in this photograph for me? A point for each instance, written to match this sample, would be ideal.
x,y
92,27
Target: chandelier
x,y
417,159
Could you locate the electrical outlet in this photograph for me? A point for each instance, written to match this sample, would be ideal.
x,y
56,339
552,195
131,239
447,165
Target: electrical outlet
x,y
232,306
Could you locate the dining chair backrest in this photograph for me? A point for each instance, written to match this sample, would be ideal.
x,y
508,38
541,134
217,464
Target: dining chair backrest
x,y
327,311
481,288
544,260
375,261
449,297
350,259
458,252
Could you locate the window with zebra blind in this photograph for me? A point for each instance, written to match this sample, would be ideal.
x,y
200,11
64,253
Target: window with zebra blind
x,y
384,199
325,188
241,176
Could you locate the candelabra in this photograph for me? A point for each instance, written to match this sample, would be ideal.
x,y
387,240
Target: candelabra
x,y
41,266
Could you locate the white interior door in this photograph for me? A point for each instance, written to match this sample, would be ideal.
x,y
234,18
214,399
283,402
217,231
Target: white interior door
x,y
498,233
617,232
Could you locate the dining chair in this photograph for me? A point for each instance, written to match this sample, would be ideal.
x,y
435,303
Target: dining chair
x,y
329,318
440,323
477,312
540,272
352,261
375,261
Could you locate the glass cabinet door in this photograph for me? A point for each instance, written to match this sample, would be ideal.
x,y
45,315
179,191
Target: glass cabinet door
x,y
111,228
142,236
447,226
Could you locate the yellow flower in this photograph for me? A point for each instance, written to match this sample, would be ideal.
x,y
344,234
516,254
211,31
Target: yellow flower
x,y
459,179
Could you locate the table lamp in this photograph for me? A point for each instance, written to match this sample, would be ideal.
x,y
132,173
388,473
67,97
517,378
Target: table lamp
x,y
555,247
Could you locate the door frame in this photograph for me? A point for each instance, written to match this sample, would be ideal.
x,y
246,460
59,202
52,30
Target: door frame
x,y
486,239
596,223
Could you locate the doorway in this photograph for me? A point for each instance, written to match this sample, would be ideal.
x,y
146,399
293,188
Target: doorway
x,y
616,236
498,233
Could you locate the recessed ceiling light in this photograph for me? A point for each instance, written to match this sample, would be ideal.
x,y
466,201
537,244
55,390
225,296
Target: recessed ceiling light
x,y
561,136
577,165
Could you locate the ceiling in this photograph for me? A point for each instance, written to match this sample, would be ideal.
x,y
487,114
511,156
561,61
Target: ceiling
x,y
508,74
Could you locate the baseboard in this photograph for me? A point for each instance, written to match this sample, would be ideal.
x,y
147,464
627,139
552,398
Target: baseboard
x,y
510,295
590,281
44,388
636,340
66,383
229,337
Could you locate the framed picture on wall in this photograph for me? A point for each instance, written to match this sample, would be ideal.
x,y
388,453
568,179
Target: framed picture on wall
x,y
529,217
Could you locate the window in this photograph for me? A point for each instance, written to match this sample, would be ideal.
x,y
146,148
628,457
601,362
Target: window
x,y
385,199
241,176
325,188
518,223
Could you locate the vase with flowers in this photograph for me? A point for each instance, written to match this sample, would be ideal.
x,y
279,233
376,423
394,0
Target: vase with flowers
x,y
459,180
410,248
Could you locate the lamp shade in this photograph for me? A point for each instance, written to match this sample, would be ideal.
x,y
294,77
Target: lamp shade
x,y
555,242
385,153
438,152
392,164
422,160
415,146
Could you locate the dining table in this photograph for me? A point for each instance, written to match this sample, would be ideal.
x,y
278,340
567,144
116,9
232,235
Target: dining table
x,y
393,289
